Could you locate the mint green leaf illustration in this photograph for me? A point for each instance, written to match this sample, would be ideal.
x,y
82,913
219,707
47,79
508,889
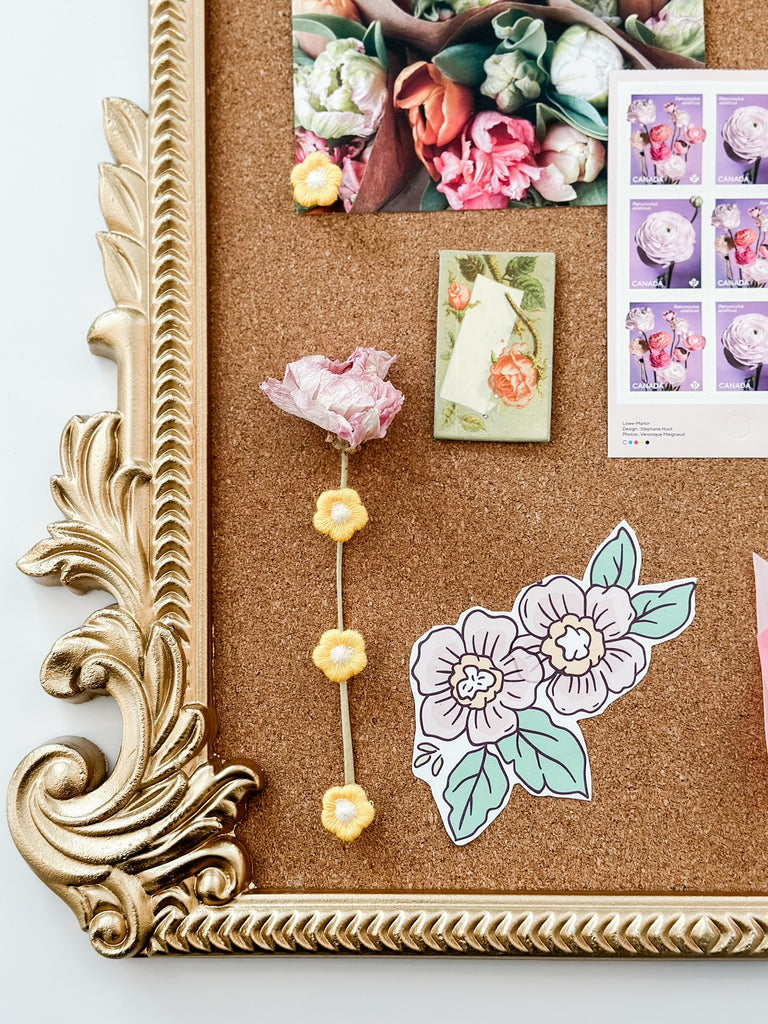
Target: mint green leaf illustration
x,y
546,756
663,613
477,786
615,564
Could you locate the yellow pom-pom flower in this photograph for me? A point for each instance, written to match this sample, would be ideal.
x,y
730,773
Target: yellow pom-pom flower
x,y
316,181
347,811
340,654
340,514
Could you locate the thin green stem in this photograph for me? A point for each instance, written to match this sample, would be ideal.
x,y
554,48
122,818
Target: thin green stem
x,y
346,724
531,329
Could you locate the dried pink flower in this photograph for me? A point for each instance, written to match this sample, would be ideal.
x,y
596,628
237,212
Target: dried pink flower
x,y
350,399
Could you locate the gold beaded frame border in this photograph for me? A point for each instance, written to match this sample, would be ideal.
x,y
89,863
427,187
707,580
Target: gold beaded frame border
x,y
145,855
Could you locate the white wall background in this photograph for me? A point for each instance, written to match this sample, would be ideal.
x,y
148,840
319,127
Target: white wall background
x,y
57,61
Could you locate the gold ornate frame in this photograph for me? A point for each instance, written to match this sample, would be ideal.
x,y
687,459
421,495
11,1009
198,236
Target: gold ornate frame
x,y
146,855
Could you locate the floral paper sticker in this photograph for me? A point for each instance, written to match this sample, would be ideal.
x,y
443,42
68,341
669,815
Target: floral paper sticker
x,y
499,695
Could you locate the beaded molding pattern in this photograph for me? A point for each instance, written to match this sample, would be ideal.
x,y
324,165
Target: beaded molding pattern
x,y
145,855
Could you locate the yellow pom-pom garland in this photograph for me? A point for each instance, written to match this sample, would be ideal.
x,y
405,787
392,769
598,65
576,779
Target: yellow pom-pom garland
x,y
316,181
340,654
347,811
340,514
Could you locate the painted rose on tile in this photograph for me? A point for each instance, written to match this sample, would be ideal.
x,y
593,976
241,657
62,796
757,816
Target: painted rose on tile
x,y
513,377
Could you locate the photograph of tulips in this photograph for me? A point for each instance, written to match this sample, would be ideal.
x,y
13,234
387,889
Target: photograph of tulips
x,y
477,104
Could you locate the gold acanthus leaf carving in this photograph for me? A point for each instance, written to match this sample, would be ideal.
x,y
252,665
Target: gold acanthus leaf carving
x,y
100,544
121,847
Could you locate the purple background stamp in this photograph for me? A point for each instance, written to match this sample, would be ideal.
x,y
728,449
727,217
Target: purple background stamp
x,y
741,242
742,144
665,345
666,139
742,346
665,245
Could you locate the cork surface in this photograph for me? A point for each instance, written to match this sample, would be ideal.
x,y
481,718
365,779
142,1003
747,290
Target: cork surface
x,y
679,765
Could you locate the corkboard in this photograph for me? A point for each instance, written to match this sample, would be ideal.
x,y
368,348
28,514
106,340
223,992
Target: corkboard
x,y
679,765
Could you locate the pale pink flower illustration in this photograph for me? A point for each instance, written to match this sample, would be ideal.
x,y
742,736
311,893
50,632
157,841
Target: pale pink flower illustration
x,y
474,677
581,634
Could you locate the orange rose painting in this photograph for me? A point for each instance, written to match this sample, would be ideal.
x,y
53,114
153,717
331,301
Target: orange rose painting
x,y
494,346
513,378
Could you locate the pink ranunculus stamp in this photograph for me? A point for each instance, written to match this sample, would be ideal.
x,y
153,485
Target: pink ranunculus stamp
x,y
743,230
653,352
666,139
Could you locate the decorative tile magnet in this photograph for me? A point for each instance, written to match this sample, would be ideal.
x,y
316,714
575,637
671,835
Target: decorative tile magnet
x,y
494,346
